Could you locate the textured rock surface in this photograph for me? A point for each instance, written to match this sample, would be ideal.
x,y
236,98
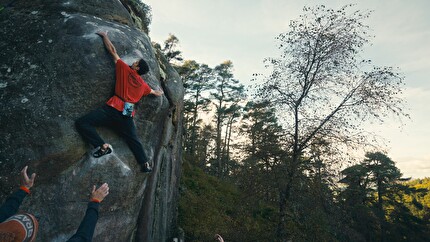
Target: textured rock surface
x,y
54,69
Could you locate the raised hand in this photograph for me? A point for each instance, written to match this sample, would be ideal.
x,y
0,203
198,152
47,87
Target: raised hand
x,y
100,193
26,181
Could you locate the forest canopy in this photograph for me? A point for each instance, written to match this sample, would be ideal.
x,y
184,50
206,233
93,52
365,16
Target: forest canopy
x,y
282,147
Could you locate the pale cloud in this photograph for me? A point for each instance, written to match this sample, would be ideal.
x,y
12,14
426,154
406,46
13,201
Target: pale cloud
x,y
415,167
417,93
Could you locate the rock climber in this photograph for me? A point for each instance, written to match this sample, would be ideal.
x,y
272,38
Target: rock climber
x,y
118,112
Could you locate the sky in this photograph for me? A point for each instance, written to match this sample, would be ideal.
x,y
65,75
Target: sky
x,y
244,31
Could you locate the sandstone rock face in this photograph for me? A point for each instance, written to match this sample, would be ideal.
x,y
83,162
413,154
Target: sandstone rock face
x,y
54,69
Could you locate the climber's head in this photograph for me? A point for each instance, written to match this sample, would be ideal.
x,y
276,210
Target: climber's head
x,y
140,66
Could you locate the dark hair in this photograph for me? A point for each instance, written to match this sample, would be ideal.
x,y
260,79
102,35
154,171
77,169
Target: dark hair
x,y
143,67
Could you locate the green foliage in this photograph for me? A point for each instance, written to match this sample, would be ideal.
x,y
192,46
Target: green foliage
x,y
418,201
324,91
226,95
197,136
381,205
209,206
285,187
170,49
140,12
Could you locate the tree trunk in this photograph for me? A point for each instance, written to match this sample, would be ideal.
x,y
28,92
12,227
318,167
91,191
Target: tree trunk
x,y
194,124
281,231
218,140
381,214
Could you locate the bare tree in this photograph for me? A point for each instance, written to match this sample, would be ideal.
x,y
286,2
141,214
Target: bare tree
x,y
324,90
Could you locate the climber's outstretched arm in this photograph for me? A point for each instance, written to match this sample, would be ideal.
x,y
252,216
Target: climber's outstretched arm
x,y
109,46
86,229
12,203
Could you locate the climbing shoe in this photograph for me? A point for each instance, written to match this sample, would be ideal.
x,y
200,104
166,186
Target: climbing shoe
x,y
146,167
100,152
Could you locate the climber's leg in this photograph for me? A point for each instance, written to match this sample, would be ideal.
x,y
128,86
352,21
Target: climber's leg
x,y
127,129
86,126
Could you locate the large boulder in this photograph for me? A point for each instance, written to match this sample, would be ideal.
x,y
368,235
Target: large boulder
x,y
54,69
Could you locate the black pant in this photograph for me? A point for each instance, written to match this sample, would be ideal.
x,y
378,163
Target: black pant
x,y
110,117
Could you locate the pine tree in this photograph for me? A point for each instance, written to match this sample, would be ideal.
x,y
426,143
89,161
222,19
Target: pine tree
x,y
228,92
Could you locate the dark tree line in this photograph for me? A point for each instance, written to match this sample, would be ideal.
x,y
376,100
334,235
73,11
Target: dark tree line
x,y
375,196
284,141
